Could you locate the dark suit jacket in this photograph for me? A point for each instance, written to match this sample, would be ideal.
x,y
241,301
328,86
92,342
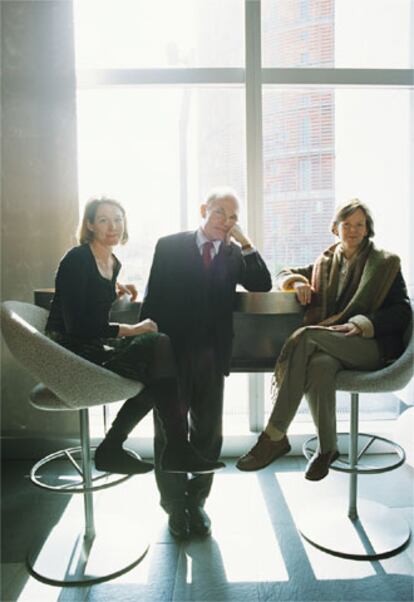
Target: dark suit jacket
x,y
176,293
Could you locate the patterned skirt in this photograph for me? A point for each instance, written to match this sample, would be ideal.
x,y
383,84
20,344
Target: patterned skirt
x,y
135,357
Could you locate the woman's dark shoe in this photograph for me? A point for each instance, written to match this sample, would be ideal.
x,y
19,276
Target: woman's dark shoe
x,y
113,458
184,458
318,466
263,453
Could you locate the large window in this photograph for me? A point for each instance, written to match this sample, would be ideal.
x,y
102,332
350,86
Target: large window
x,y
159,150
298,104
136,34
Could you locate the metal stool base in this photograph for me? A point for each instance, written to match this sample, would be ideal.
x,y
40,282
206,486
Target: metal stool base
x,y
378,532
67,558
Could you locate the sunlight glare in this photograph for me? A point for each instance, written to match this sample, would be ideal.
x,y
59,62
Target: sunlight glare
x,y
247,543
143,34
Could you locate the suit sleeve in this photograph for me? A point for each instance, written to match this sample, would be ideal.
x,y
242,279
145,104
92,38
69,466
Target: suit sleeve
x,y
72,280
154,296
255,276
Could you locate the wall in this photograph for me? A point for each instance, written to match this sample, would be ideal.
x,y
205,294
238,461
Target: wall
x,y
39,179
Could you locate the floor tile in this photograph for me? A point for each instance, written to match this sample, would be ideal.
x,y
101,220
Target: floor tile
x,y
255,553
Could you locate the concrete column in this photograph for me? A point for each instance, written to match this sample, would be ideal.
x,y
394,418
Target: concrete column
x,y
39,178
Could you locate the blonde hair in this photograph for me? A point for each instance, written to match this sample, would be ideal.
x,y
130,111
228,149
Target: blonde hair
x,y
89,213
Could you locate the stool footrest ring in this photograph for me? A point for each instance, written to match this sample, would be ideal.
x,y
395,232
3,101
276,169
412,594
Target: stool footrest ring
x,y
310,446
74,477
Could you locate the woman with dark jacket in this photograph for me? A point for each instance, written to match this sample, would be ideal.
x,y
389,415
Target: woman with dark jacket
x,y
357,309
86,283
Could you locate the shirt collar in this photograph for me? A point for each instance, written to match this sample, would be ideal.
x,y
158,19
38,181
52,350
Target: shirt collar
x,y
201,238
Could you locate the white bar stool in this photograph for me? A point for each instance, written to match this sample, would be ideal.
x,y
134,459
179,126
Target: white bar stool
x,y
365,530
108,545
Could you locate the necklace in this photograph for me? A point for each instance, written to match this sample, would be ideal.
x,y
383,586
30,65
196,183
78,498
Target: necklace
x,y
105,265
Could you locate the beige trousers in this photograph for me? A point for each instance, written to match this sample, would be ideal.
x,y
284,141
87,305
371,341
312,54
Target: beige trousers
x,y
319,354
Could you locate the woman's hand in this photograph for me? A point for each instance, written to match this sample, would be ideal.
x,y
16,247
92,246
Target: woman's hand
x,y
127,289
132,330
303,292
349,329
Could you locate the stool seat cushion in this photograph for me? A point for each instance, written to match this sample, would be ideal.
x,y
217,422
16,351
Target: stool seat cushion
x,y
393,377
69,382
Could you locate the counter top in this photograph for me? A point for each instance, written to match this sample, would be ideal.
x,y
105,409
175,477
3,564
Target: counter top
x,y
275,302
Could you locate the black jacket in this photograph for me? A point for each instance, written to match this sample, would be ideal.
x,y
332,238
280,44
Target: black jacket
x,y
83,297
189,303
392,319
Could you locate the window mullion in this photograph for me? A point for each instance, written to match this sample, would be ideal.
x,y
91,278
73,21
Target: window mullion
x,y
254,150
254,137
87,78
338,76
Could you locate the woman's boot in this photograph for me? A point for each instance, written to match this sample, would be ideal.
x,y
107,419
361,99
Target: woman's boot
x,y
110,456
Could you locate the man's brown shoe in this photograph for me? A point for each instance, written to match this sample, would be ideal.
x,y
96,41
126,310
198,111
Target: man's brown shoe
x,y
318,466
263,453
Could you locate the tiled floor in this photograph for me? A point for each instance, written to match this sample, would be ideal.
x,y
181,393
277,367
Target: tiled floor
x,y
254,554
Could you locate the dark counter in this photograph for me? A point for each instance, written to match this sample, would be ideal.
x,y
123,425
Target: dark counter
x,y
262,322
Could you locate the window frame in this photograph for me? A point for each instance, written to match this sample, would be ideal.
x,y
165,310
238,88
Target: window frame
x,y
254,78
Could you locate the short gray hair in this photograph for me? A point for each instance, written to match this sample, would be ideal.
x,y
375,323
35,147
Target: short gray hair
x,y
221,192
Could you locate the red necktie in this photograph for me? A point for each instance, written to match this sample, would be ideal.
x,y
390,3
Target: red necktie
x,y
207,246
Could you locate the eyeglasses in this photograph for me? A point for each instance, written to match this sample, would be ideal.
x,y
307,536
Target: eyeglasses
x,y
221,214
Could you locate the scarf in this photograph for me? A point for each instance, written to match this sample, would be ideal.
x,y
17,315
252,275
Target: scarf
x,y
370,275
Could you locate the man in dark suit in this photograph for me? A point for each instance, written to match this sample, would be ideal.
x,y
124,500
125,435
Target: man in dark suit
x,y
190,296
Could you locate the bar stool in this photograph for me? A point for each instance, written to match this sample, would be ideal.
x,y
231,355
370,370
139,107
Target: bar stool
x,y
71,383
368,529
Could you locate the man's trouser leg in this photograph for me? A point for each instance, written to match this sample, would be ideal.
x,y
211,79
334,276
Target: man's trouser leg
x,y
201,389
206,419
